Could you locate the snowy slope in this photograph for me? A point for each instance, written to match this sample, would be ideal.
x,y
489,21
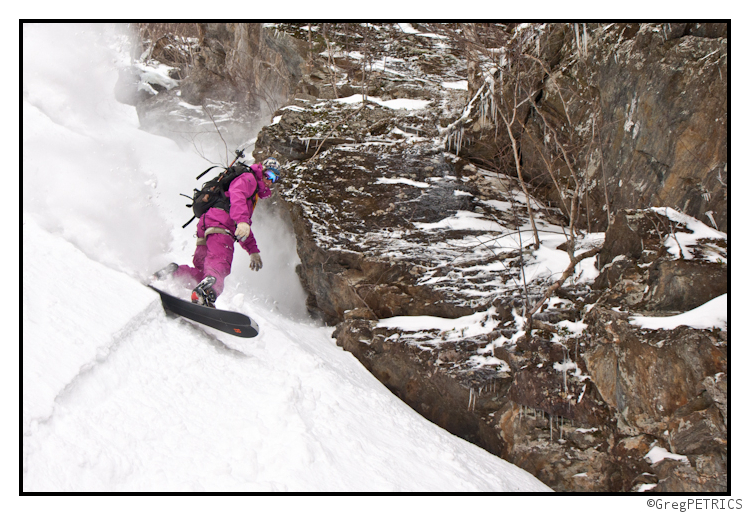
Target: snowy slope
x,y
117,396
124,398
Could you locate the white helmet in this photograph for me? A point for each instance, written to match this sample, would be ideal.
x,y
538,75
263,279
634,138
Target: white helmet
x,y
271,169
271,164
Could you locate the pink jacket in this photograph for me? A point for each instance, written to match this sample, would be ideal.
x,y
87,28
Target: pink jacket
x,y
241,193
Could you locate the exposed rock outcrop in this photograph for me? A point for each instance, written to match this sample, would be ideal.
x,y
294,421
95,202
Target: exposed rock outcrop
x,y
244,63
397,215
643,106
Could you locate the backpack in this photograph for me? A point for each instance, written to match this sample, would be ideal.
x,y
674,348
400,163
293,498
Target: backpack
x,y
214,192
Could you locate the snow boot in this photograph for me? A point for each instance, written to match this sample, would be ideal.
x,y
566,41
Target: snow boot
x,y
167,271
203,294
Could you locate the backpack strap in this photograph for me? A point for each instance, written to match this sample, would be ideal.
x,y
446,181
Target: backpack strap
x,y
207,170
213,230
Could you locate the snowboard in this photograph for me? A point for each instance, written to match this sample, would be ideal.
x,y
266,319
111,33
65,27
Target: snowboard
x,y
229,322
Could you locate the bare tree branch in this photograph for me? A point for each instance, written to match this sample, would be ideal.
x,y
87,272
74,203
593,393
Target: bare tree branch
x,y
567,273
226,147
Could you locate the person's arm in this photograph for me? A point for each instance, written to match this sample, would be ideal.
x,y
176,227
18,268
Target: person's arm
x,y
240,192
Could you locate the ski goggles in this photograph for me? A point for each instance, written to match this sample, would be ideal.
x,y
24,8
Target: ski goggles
x,y
272,176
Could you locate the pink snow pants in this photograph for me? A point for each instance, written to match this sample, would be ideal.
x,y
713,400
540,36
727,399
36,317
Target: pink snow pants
x,y
214,258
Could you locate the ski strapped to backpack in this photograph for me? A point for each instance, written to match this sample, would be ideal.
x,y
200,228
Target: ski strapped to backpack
x,y
214,192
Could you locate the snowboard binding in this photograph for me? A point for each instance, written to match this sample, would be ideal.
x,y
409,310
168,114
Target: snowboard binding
x,y
165,272
204,294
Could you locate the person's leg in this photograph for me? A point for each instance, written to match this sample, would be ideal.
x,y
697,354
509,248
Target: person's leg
x,y
192,275
218,259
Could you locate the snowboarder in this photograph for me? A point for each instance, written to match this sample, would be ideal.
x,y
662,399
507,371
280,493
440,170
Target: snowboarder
x,y
217,231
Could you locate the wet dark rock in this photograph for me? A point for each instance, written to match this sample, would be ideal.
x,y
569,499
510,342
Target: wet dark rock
x,y
557,394
647,375
684,285
700,426
621,240
678,476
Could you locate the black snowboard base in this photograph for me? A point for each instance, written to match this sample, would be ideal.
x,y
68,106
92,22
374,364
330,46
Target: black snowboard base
x,y
229,322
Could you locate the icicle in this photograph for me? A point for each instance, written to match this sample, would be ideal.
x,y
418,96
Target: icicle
x,y
710,215
494,109
538,46
564,370
550,427
585,42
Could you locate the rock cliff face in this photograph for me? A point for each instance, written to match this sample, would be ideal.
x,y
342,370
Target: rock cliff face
x,y
423,255
235,75
642,106
244,63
